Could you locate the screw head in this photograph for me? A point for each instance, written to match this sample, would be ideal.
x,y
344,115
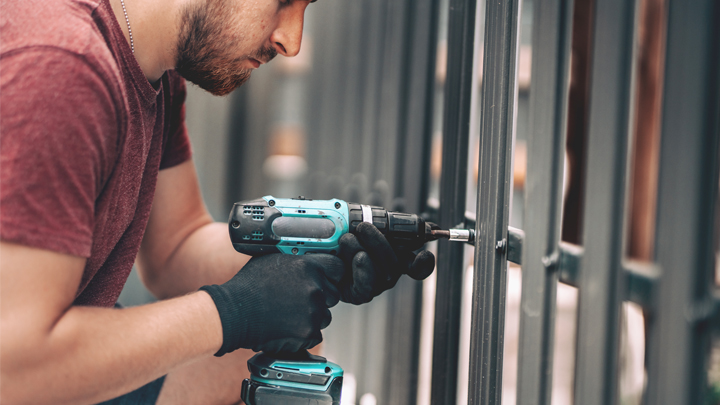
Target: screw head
x,y
295,251
271,203
235,224
337,205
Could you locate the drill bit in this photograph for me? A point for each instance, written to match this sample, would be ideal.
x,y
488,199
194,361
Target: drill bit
x,y
459,235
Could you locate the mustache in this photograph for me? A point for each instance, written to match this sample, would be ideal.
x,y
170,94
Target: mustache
x,y
265,54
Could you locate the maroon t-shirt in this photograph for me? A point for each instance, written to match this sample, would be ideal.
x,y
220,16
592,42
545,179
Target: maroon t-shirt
x,y
83,135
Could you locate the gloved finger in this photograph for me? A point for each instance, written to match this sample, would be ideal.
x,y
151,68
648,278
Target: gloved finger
x,y
349,246
405,258
378,247
331,266
326,319
332,295
277,347
422,266
333,269
363,279
387,284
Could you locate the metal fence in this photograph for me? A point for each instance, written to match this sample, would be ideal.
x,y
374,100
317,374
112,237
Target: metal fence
x,y
368,106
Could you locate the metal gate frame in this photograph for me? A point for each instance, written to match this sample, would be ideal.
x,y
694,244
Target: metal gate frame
x,y
676,290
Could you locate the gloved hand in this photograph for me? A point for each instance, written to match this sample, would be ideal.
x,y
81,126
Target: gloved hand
x,y
373,266
277,302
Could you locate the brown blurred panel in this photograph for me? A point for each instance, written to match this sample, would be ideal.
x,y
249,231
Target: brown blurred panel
x,y
646,150
577,119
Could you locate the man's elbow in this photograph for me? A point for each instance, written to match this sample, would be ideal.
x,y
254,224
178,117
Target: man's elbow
x,y
154,278
20,356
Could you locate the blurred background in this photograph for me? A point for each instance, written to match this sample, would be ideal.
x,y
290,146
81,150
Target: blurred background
x,y
358,115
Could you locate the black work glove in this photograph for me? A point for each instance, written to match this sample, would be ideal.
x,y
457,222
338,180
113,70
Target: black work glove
x,y
277,302
373,266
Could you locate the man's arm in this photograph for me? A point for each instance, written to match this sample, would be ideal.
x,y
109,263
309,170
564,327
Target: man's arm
x,y
183,249
53,352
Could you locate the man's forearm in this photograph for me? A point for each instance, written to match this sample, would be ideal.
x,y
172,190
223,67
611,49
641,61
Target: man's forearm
x,y
94,354
205,256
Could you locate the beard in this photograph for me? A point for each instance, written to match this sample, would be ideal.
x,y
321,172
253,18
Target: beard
x,y
204,46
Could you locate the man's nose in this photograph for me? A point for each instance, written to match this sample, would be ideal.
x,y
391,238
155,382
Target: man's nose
x,y
287,37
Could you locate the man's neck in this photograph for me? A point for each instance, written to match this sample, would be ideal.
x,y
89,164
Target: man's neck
x,y
155,30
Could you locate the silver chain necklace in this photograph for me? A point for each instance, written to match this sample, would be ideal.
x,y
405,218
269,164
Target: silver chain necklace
x,y
127,20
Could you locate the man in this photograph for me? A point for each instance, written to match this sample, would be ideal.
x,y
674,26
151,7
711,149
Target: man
x,y
95,175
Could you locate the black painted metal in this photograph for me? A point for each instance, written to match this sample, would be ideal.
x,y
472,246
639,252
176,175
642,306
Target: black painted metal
x,y
601,283
516,239
498,99
641,283
412,167
680,328
354,69
641,278
552,30
413,186
452,199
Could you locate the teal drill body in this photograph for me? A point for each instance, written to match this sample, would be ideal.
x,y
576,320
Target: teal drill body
x,y
301,226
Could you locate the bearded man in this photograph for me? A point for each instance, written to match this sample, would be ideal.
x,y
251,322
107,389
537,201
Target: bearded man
x,y
96,175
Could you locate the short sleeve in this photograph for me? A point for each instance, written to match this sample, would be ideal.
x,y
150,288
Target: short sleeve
x,y
58,141
177,147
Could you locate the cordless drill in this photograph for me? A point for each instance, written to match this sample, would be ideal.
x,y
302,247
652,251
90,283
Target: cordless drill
x,y
301,226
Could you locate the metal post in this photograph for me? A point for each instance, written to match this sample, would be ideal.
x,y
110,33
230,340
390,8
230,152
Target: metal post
x,y
354,69
412,169
680,328
552,27
414,166
600,280
373,90
452,199
498,105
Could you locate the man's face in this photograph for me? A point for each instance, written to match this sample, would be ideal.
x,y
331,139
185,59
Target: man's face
x,y
221,41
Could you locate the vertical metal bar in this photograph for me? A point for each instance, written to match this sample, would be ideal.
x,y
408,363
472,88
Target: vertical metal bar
x,y
392,101
354,72
498,107
373,88
323,85
552,30
679,334
456,122
375,316
601,282
412,172
399,366
414,183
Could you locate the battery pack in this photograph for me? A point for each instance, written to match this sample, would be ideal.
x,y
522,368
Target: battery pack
x,y
295,379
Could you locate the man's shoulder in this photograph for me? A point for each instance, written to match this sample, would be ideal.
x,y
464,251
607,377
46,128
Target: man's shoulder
x,y
72,26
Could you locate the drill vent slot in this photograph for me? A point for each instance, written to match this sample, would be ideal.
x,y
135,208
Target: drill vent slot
x,y
257,235
301,211
246,237
257,212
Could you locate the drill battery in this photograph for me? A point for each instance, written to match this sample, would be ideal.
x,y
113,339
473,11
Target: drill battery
x,y
292,379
